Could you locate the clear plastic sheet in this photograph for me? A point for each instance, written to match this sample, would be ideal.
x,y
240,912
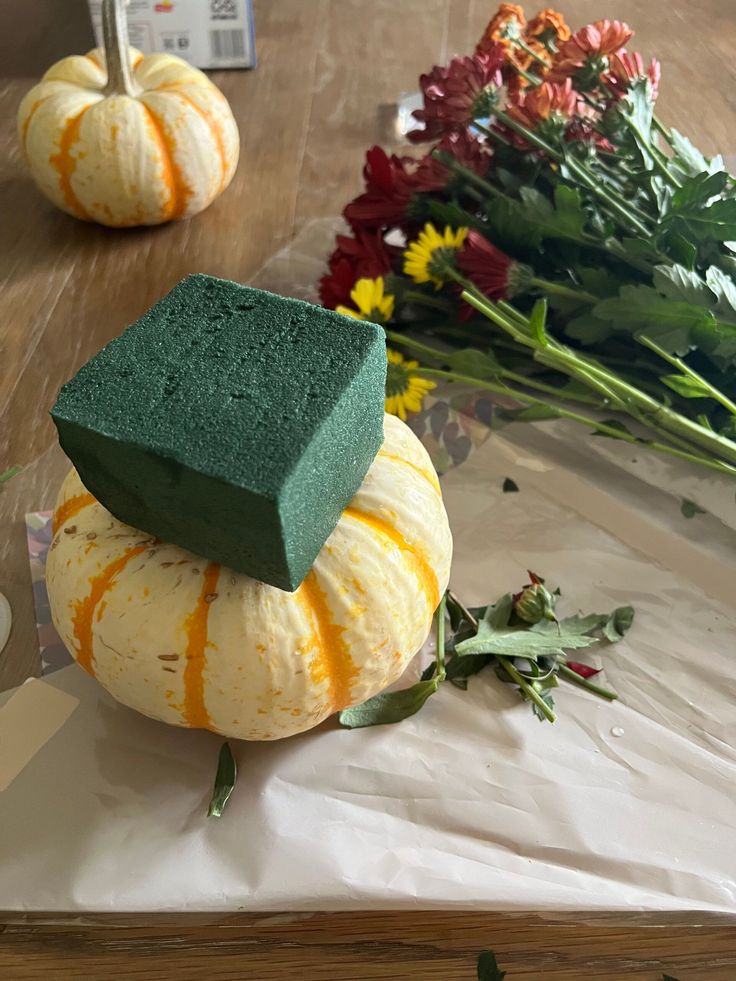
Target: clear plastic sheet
x,y
472,803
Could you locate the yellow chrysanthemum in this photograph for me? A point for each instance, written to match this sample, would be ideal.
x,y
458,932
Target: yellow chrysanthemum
x,y
372,303
428,258
405,390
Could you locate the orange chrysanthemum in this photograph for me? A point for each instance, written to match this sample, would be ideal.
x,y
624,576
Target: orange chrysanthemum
x,y
509,18
549,25
546,101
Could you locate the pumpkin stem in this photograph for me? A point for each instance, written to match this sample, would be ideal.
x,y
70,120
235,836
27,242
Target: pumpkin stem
x,y
115,36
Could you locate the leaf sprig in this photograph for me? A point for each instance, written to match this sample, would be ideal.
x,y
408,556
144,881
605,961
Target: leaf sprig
x,y
520,637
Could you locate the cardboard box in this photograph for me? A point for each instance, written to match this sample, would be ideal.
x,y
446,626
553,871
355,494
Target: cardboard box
x,y
206,33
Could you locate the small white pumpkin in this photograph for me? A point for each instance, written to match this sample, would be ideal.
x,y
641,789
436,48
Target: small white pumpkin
x,y
193,644
127,146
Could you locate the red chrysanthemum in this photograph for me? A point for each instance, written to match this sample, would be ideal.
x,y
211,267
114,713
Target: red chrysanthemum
x,y
549,101
588,47
458,93
491,270
387,192
432,175
625,68
364,257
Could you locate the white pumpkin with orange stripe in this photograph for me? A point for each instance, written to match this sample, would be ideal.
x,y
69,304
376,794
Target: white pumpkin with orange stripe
x,y
122,139
193,644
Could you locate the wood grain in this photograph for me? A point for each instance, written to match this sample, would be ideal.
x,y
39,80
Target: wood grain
x,y
329,74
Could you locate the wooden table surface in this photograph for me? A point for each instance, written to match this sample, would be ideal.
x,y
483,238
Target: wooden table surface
x,y
325,88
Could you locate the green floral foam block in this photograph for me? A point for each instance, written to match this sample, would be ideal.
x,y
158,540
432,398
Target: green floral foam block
x,y
232,422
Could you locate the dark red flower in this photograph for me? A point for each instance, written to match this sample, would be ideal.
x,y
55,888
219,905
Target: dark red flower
x,y
387,192
458,93
585,55
364,257
432,175
490,269
625,68
584,670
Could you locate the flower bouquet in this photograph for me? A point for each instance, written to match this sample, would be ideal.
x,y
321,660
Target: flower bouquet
x,y
557,245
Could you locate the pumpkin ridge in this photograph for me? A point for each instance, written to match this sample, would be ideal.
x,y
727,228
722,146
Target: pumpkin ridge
x,y
64,163
431,478
84,609
425,573
195,626
95,61
178,190
213,128
27,121
334,661
70,507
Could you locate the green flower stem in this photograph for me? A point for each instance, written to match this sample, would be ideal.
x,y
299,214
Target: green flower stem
x,y
599,427
625,396
559,289
414,296
430,352
521,43
685,368
658,158
569,675
441,674
418,346
624,211
661,128
528,689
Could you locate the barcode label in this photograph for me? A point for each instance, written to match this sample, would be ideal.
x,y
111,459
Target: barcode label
x,y
227,45
224,9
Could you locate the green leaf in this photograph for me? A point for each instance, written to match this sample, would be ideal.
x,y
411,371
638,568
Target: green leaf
x,y
687,386
477,364
543,639
612,424
531,413
546,695
509,486
467,666
668,977
429,672
689,508
525,222
446,213
588,329
724,289
512,227
699,213
670,323
679,248
698,190
461,683
678,283
537,320
570,217
227,772
488,969
688,159
389,707
598,280
618,623
10,472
